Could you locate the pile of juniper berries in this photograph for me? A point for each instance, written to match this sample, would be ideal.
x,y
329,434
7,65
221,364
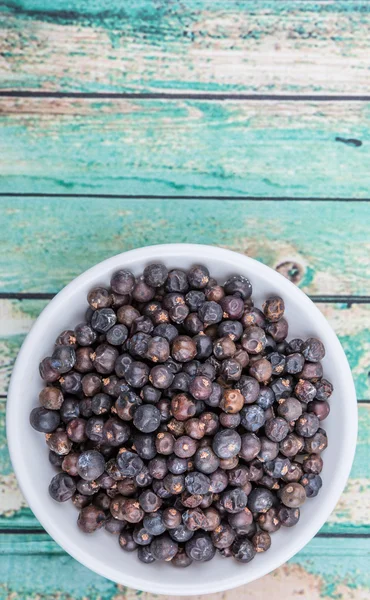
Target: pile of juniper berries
x,y
181,419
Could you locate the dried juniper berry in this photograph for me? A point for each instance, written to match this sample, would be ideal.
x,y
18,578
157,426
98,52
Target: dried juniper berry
x,y
317,443
185,447
233,307
177,281
183,349
231,421
312,371
198,277
91,518
129,463
266,397
311,484
62,487
307,425
261,370
161,377
44,420
238,285
181,559
288,517
243,550
276,429
291,445
164,443
250,446
145,555
269,521
253,417
320,408
155,275
249,387
289,408
164,547
261,541
226,443
274,308
313,463
200,547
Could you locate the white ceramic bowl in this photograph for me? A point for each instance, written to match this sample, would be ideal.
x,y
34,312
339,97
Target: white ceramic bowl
x,y
100,552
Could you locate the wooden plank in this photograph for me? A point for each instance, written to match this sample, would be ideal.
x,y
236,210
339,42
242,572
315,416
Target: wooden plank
x,y
177,147
34,567
352,323
43,242
198,46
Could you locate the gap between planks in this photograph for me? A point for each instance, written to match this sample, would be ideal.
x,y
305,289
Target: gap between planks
x,y
206,97
320,299
183,197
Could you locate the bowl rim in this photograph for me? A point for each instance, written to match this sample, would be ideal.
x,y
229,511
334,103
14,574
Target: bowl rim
x,y
196,252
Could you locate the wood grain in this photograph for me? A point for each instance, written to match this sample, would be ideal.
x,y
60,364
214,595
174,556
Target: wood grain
x,y
207,46
352,325
43,253
34,567
220,148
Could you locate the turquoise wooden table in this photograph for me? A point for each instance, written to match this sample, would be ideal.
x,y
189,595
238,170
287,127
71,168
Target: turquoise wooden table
x,y
244,124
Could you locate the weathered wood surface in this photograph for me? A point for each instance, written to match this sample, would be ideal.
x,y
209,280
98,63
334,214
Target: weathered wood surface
x,y
353,327
185,147
33,567
207,46
351,323
46,242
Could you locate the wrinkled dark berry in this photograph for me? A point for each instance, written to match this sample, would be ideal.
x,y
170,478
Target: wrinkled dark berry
x,y
163,547
311,371
177,281
274,308
44,420
266,397
234,500
324,389
289,408
253,417
313,350
243,550
250,446
311,483
261,541
261,370
129,463
276,429
317,443
277,331
226,443
307,425
231,369
320,408
268,449
291,445
305,391
198,277
232,401
260,500
185,447
288,517
200,547
85,334
293,495
91,518
62,487
238,285
269,521
210,312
